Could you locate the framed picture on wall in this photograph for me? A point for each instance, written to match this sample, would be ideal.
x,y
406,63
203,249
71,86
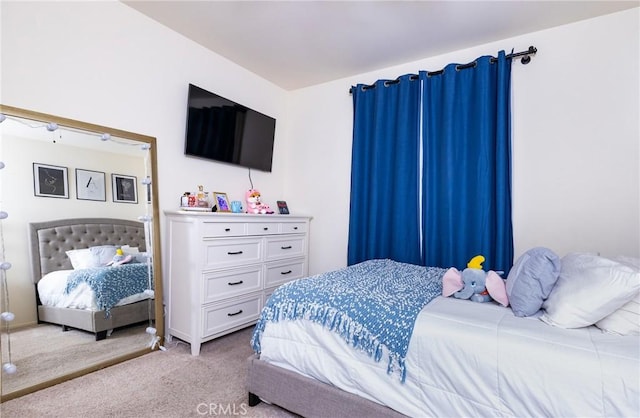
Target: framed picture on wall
x,y
50,181
222,201
124,188
90,185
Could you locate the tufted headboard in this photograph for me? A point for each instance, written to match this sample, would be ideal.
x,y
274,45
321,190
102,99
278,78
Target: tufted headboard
x,y
49,240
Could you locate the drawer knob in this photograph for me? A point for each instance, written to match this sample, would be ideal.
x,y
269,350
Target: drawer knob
x,y
234,252
235,283
288,247
235,313
266,228
227,229
295,227
285,272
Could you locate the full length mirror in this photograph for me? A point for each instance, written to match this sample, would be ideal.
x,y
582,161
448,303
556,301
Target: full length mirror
x,y
80,269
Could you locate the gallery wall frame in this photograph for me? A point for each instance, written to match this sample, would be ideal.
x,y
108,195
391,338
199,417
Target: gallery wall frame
x,y
50,181
124,188
90,185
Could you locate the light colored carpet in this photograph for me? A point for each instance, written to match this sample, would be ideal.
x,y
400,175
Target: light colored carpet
x,y
44,352
159,384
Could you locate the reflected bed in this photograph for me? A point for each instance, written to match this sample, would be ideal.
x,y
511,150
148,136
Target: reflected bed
x,y
49,242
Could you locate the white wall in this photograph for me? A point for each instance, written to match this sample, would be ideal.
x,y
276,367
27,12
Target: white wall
x,y
575,116
576,175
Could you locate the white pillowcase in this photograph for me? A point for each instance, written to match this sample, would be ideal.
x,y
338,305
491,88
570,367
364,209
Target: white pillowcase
x,y
589,288
626,320
630,261
96,256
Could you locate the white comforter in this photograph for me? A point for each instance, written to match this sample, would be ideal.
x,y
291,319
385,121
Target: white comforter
x,y
51,292
475,359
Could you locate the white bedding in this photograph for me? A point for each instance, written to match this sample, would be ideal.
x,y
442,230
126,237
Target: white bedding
x,y
475,359
51,292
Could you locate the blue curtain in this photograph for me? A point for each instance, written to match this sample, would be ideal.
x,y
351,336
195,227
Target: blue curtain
x,y
384,209
466,203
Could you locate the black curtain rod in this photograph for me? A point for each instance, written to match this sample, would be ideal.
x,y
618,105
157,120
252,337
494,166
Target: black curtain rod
x,y
526,59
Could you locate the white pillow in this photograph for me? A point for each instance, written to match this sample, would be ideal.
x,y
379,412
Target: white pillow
x,y
91,257
632,262
589,288
626,320
80,258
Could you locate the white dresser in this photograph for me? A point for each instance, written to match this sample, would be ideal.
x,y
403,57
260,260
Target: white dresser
x,y
222,268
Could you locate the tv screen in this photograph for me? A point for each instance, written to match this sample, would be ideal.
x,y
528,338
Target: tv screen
x,y
221,130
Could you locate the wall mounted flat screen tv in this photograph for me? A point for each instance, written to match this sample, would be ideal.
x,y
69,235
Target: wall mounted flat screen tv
x,y
221,130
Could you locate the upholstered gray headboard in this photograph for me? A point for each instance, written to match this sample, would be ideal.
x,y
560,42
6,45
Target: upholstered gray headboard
x,y
50,240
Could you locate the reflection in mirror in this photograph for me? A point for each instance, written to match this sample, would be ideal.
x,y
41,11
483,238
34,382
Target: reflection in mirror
x,y
80,283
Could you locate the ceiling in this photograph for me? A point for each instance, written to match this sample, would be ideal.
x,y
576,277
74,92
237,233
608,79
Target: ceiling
x,y
296,44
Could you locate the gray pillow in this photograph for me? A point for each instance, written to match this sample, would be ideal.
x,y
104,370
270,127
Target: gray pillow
x,y
531,280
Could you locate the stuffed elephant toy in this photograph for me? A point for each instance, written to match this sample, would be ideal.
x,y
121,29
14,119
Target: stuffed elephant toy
x,y
474,283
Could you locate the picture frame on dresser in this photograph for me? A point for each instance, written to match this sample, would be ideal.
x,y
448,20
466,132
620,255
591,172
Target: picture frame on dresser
x,y
283,209
222,201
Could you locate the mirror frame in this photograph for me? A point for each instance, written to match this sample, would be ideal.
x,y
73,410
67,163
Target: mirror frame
x,y
157,250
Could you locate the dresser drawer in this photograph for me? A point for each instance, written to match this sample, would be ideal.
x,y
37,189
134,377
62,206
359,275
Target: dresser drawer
x,y
225,284
282,272
231,252
293,227
267,295
218,318
223,229
285,247
262,228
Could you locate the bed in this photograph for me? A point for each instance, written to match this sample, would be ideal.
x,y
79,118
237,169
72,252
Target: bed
x,y
574,356
66,294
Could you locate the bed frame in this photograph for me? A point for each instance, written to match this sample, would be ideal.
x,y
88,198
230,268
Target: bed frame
x,y
48,243
305,396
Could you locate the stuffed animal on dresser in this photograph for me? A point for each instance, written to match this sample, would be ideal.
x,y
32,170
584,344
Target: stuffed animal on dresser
x,y
254,202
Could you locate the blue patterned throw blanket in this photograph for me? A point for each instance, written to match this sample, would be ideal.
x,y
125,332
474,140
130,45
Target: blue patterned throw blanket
x,y
371,305
111,284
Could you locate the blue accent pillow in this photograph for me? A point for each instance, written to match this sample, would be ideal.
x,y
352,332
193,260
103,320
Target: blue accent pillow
x,y
531,280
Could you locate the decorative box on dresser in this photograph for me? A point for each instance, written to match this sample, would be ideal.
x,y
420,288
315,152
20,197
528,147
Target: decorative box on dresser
x,y
222,267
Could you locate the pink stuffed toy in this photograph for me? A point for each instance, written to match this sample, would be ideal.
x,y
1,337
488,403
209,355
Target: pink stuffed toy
x,y
254,202
474,283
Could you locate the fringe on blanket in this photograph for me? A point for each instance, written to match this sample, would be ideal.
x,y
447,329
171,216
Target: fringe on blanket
x,y
350,331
